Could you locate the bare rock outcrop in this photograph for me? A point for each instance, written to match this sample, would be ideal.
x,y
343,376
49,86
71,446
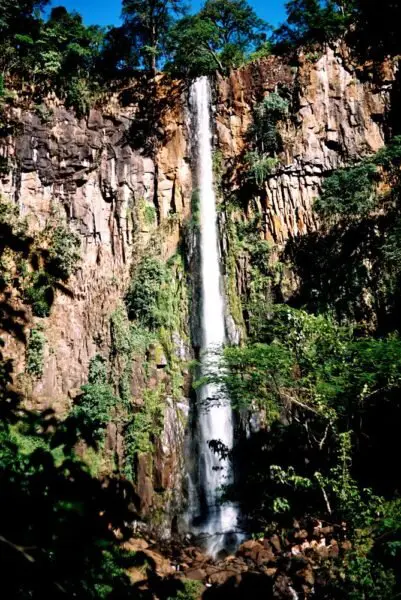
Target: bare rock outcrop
x,y
335,119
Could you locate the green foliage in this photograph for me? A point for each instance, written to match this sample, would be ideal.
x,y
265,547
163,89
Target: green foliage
x,y
141,339
192,44
35,352
59,53
44,113
158,295
348,192
370,27
254,373
264,50
66,46
94,407
264,138
38,292
143,298
80,95
305,366
377,27
148,24
194,222
366,579
389,157
126,342
144,428
266,116
259,167
38,260
320,387
310,21
355,257
150,215
273,107
219,37
57,248
11,221
218,168
63,250
121,341
248,249
191,590
51,504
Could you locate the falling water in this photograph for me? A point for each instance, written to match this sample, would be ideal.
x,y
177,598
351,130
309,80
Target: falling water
x,y
215,422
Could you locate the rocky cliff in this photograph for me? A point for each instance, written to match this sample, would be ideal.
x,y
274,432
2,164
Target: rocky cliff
x,y
121,178
335,119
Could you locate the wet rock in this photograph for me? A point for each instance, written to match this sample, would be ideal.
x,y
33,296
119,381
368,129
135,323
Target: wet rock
x,y
135,545
282,588
159,563
275,542
196,574
136,575
221,577
325,531
306,575
250,549
302,534
265,556
334,549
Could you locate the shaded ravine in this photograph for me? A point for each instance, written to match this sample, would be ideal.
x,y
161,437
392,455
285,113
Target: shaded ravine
x,y
215,421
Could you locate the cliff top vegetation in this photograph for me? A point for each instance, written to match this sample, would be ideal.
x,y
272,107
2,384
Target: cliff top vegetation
x,y
60,53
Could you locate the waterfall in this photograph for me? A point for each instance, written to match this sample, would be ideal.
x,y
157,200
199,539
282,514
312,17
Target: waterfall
x,y
215,421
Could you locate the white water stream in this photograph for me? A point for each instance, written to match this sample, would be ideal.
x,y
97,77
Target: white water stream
x,y
215,419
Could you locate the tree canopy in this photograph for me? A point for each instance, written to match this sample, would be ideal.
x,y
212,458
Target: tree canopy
x,y
371,27
219,37
148,23
314,21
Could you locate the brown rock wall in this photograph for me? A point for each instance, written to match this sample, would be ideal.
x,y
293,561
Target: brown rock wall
x,y
92,171
87,170
335,119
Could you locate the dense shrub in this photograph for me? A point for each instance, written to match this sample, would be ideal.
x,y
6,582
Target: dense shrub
x,y
63,251
264,138
144,428
35,352
266,116
94,407
39,292
144,294
259,167
348,192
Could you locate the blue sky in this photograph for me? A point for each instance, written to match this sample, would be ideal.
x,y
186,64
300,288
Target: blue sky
x,y
107,12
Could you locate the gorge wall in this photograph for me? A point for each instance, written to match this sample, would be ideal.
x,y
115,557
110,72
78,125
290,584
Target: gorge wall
x,y
122,178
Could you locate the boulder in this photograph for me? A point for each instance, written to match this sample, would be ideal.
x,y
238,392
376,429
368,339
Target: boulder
x,y
251,549
135,545
275,542
221,577
301,535
265,556
196,574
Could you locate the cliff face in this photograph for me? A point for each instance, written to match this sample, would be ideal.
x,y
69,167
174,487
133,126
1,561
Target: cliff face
x,y
335,119
94,172
87,169
97,172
